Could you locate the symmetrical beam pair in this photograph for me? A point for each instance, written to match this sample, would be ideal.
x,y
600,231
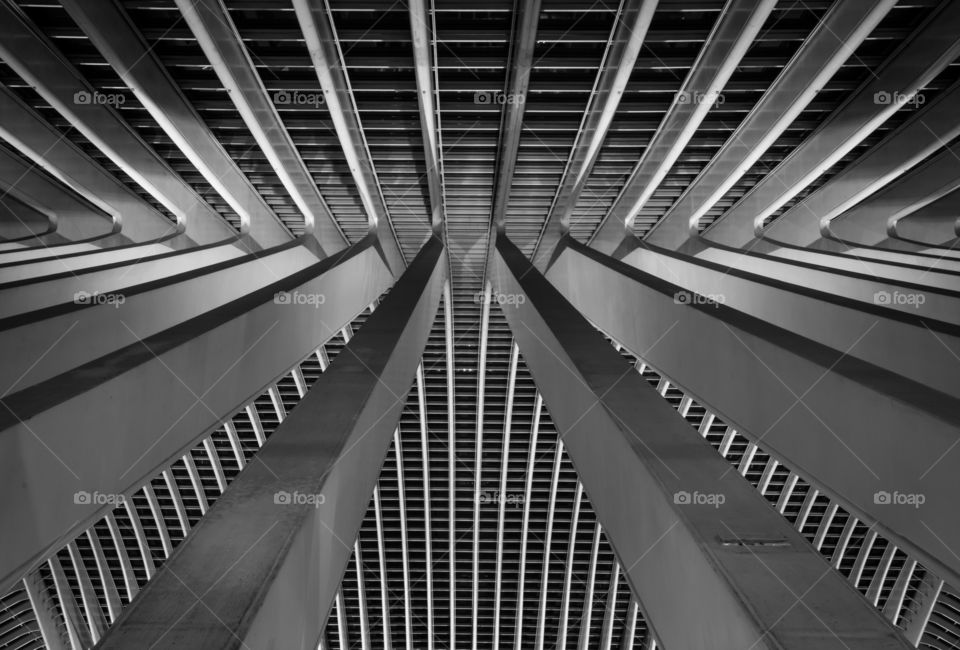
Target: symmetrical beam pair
x,y
692,536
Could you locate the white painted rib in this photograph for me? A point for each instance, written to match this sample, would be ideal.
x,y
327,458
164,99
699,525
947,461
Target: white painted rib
x,y
548,546
630,627
408,616
862,556
806,507
880,577
211,450
748,455
177,500
91,606
278,406
299,381
706,423
568,575
478,469
126,568
141,538
68,605
362,598
234,443
502,494
323,358
843,541
382,557
114,606
195,481
825,524
587,619
342,622
255,422
891,609
727,441
768,472
606,637
787,491
451,460
158,518
427,521
525,529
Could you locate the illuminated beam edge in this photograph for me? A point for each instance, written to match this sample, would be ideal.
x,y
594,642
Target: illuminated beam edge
x,y
682,551
285,516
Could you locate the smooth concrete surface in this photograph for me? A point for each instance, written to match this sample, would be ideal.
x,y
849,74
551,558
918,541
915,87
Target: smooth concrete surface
x,y
852,427
713,565
268,572
145,404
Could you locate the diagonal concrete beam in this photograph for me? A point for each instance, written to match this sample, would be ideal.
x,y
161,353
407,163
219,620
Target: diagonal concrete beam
x,y
691,535
214,30
870,222
316,23
268,559
143,405
523,41
925,132
47,149
736,27
931,48
109,28
421,29
936,224
70,216
833,41
834,417
32,56
626,39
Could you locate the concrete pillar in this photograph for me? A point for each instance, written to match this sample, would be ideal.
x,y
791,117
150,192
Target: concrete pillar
x,y
266,562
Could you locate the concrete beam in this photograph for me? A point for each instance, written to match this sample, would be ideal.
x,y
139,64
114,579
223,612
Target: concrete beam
x,y
110,29
736,27
214,30
38,61
421,30
316,23
839,33
930,48
702,539
922,135
40,292
937,225
68,214
45,147
144,405
871,221
831,416
90,325
267,561
899,338
523,41
623,48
